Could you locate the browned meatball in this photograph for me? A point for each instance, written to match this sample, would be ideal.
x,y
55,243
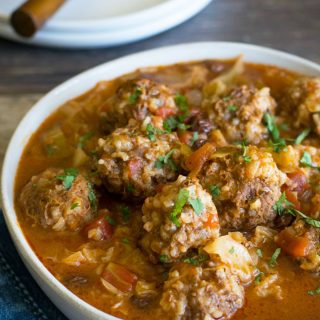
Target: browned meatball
x,y
60,199
137,99
301,241
181,216
203,292
302,101
245,183
134,160
239,114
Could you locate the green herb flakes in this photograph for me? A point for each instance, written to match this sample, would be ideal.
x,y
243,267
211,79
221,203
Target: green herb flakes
x,y
214,190
164,258
232,107
110,220
231,251
68,177
314,292
274,257
302,136
166,160
258,278
281,204
92,196
197,205
181,201
276,142
133,98
126,213
125,240
306,161
152,132
259,253
74,205
84,138
196,260
194,138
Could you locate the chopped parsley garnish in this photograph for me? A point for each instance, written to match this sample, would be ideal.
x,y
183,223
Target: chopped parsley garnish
x,y
164,258
166,160
133,98
277,142
110,220
84,138
50,149
196,260
197,205
125,240
274,257
194,138
259,253
283,206
173,123
232,107
181,201
152,131
92,196
68,177
245,157
302,136
214,190
227,98
126,213
283,126
74,205
182,104
258,278
306,160
231,251
314,292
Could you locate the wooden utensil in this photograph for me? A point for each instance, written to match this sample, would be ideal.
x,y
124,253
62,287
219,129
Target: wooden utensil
x,y
32,15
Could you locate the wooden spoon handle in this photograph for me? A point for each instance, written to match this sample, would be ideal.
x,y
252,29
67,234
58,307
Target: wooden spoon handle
x,y
32,14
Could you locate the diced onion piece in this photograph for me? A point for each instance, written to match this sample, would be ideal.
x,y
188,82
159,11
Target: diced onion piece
x,y
110,287
233,254
75,259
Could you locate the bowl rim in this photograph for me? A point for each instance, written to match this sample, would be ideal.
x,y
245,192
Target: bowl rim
x,y
172,54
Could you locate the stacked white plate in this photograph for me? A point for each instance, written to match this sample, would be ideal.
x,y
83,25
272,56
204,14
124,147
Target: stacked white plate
x,y
102,23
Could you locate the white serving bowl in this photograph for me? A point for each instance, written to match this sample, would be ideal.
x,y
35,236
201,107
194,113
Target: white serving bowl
x,y
72,306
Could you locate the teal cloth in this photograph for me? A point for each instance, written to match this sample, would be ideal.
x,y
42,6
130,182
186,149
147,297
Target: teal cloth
x,y
20,296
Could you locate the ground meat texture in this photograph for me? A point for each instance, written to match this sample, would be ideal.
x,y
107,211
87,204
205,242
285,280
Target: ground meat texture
x,y
131,160
168,240
46,199
302,101
137,99
301,241
239,114
201,292
244,187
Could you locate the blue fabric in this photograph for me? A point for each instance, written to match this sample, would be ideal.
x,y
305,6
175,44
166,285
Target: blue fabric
x,y
20,296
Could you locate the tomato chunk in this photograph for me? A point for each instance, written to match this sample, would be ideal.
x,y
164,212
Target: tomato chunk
x,y
120,277
295,246
164,112
100,228
292,197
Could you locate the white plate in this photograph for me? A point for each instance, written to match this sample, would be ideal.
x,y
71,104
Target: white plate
x,y
101,38
78,16
72,306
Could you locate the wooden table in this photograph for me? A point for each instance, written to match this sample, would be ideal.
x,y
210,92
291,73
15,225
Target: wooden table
x,y
26,73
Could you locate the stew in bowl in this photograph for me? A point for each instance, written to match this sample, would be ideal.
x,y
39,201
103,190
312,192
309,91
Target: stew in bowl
x,y
187,191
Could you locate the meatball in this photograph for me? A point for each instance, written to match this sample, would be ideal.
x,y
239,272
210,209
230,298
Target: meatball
x,y
181,216
137,99
302,101
302,241
245,184
202,292
239,115
59,199
135,159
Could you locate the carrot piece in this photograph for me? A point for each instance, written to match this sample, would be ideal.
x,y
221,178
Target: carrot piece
x,y
185,136
212,221
164,112
198,158
295,246
291,196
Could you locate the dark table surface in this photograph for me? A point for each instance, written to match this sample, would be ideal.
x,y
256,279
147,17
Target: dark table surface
x,y
289,25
